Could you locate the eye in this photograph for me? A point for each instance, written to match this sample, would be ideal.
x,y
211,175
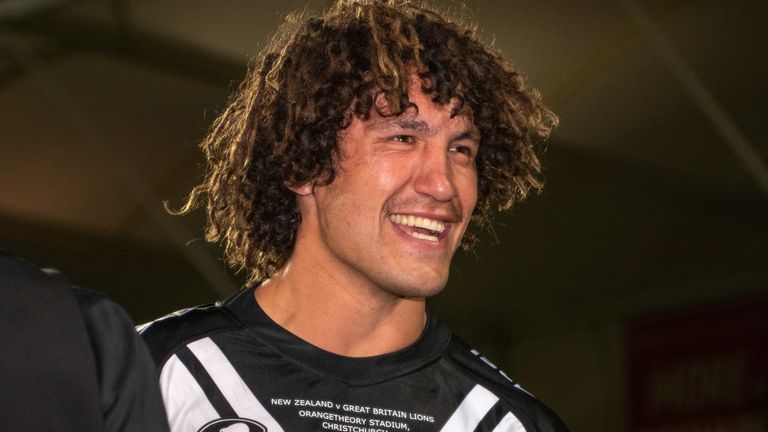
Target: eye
x,y
465,150
402,139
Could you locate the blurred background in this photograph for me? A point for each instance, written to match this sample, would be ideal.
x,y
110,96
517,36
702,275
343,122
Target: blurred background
x,y
630,295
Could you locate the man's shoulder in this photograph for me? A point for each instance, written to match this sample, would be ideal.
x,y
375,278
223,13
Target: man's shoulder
x,y
533,413
164,335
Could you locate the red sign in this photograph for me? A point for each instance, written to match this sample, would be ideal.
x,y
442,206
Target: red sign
x,y
703,371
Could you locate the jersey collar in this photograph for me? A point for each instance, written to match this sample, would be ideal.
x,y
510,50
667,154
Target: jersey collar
x,y
352,370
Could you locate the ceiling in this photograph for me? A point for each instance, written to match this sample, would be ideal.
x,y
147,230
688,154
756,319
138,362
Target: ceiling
x,y
653,196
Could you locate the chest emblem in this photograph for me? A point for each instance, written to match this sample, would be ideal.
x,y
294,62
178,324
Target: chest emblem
x,y
233,425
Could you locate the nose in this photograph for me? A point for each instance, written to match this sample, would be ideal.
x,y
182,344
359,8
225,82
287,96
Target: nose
x,y
434,176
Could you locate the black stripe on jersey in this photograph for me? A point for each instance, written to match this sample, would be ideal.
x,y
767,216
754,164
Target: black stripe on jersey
x,y
203,378
492,418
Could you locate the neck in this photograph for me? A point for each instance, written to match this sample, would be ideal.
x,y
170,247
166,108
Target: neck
x,y
337,312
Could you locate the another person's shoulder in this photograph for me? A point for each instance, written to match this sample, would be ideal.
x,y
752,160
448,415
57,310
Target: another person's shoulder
x,y
87,347
533,414
94,306
19,276
165,335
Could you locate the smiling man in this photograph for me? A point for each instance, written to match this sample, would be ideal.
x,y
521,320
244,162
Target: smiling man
x,y
344,174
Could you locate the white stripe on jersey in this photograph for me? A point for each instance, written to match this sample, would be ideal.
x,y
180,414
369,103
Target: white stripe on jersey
x,y
186,405
471,410
232,386
509,423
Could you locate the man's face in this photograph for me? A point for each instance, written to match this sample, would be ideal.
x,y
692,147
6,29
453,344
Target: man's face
x,y
403,195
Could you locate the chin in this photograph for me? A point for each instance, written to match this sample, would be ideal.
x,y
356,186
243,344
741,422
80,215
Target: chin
x,y
418,287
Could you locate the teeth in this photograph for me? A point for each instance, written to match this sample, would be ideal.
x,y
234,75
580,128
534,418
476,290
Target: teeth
x,y
423,236
419,222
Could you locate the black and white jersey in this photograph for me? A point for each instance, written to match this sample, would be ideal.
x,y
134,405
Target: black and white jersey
x,y
229,368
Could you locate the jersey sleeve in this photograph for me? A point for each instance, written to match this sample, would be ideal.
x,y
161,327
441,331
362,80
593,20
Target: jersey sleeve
x,y
526,412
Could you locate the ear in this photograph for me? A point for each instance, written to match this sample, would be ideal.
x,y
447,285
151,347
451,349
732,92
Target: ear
x,y
303,189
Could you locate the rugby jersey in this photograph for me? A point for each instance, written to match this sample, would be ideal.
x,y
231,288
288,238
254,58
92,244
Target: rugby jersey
x,y
228,367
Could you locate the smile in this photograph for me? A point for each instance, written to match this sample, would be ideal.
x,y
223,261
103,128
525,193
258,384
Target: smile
x,y
420,227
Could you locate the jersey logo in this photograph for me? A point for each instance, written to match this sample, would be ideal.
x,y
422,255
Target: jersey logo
x,y
233,425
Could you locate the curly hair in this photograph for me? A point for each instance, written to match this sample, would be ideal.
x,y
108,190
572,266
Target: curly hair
x,y
281,126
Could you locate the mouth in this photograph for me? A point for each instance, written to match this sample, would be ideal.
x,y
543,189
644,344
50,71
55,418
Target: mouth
x,y
419,227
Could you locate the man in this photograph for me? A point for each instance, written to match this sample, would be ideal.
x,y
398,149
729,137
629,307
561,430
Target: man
x,y
72,360
343,175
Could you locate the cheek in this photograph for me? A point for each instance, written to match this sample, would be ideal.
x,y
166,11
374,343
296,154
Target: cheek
x,y
382,175
468,190
354,195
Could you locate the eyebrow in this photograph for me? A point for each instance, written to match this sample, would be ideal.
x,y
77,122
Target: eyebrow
x,y
408,124
470,134
422,126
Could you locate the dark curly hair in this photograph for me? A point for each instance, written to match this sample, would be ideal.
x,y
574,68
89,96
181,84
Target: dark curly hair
x,y
281,127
